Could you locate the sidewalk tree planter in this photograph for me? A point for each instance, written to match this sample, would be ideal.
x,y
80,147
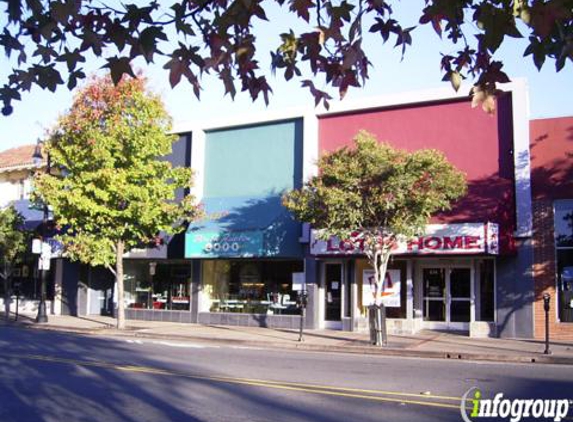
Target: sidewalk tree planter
x,y
373,195
113,192
14,241
330,42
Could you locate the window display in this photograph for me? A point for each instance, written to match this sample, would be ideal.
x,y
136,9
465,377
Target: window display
x,y
255,287
151,285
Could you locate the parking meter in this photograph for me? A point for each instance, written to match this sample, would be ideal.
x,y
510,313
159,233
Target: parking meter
x,y
546,305
302,301
546,301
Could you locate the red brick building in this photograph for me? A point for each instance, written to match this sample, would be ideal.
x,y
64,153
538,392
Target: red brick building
x,y
552,195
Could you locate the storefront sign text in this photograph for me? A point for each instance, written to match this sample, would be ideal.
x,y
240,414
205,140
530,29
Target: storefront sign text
x,y
242,244
470,238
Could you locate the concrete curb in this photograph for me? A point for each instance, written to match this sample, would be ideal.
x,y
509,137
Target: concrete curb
x,y
302,346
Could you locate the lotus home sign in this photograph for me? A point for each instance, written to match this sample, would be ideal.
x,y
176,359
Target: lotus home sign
x,y
438,239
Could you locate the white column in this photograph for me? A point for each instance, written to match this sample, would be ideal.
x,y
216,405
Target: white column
x,y
321,295
409,290
354,311
310,146
477,291
472,292
198,139
58,281
343,291
419,294
521,157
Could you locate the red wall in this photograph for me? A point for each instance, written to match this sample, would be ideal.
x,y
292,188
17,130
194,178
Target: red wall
x,y
477,143
551,179
552,158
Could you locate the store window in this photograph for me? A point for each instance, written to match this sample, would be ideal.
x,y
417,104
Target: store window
x,y
395,287
154,285
254,287
564,249
25,281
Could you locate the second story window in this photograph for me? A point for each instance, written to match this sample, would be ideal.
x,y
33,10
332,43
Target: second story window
x,y
22,188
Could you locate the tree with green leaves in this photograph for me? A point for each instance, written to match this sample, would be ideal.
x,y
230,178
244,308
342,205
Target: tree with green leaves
x,y
374,195
113,191
14,241
49,41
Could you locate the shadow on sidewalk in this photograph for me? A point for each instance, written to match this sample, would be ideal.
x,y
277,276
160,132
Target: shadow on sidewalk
x,y
102,323
276,333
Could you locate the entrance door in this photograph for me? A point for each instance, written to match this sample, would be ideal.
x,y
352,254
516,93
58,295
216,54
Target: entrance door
x,y
333,292
435,295
447,297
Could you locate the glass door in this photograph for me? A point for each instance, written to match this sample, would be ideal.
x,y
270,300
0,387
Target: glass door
x,y
333,292
447,297
434,281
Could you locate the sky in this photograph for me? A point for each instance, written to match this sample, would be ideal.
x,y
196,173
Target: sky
x,y
549,92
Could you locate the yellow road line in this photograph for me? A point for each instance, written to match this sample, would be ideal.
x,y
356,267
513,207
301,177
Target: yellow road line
x,y
374,395
357,390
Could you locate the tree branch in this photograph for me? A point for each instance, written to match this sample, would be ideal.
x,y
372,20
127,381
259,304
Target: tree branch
x,y
111,269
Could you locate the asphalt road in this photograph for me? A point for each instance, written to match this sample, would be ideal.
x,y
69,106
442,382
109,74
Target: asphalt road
x,y
50,376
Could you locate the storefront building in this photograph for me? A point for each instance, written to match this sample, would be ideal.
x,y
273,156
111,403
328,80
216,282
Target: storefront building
x,y
158,278
471,269
481,268
17,168
442,280
246,249
552,191
243,263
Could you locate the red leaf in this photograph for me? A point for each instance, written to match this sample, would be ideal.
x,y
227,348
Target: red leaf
x,y
302,7
176,68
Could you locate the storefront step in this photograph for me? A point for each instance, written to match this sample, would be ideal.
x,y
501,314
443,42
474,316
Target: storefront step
x,y
250,320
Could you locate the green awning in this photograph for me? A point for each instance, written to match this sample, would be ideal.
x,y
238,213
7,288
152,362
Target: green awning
x,y
243,227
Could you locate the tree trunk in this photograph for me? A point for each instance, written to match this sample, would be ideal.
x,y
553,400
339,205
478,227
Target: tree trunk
x,y
120,286
377,317
381,269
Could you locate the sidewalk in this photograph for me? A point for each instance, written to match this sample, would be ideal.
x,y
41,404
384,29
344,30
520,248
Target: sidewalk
x,y
427,344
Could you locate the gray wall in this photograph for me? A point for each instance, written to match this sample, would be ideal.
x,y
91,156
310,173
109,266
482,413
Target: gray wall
x,y
312,267
515,292
70,287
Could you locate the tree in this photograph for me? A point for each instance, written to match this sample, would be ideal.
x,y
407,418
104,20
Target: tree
x,y
113,192
374,195
13,244
50,40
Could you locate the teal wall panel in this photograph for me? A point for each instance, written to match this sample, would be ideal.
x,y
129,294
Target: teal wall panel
x,y
257,160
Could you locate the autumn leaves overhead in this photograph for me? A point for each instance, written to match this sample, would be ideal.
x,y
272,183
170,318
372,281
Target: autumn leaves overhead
x,y
48,43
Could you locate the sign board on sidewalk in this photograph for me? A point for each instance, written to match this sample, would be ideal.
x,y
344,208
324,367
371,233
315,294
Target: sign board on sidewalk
x,y
298,281
36,246
45,257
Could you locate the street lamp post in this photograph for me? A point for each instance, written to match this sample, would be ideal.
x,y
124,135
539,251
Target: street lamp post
x,y
44,260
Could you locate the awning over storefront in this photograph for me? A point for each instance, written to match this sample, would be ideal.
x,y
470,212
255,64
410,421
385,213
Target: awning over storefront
x,y
33,215
438,239
33,221
243,227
